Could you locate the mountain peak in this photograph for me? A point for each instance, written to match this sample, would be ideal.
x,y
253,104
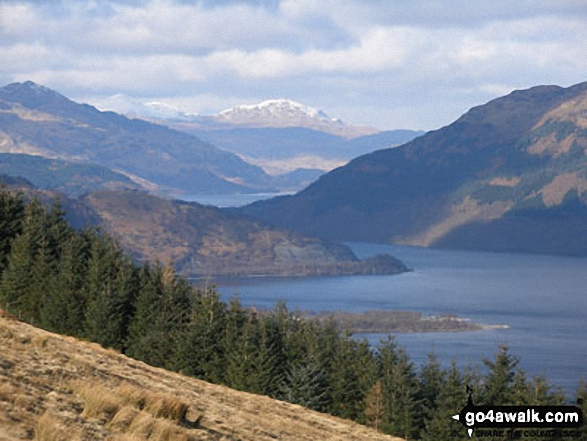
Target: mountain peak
x,y
27,87
277,110
32,95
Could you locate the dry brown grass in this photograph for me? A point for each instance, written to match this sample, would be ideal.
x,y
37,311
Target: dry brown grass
x,y
85,393
7,392
48,429
99,401
131,411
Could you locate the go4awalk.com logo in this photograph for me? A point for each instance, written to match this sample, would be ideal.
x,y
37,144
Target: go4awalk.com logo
x,y
520,421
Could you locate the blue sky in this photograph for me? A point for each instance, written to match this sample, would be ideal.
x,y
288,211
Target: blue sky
x,y
390,64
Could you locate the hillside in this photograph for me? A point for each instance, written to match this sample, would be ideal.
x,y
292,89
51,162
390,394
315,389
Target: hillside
x,y
287,148
37,121
510,175
70,178
56,388
205,241
281,136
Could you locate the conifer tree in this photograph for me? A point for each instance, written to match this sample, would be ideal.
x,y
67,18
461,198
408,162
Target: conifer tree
x,y
199,351
11,215
145,341
235,319
498,388
400,391
107,304
306,384
161,311
432,382
268,362
439,425
65,311
21,289
347,392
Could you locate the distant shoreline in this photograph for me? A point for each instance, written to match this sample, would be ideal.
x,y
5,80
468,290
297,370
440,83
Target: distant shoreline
x,y
399,322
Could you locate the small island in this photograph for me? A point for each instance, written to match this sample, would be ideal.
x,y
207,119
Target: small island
x,y
389,322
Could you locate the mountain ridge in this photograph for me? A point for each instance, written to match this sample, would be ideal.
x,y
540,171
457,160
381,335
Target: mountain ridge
x,y
274,113
38,121
489,165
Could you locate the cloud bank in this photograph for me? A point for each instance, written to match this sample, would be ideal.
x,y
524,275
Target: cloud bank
x,y
390,64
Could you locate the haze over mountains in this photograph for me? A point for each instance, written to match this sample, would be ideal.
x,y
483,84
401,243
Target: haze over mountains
x,y
97,157
37,121
510,175
279,135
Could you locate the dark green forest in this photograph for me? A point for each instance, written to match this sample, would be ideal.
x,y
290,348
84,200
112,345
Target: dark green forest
x,y
81,283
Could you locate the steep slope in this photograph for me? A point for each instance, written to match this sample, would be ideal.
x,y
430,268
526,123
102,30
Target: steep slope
x,y
508,175
205,241
38,121
55,387
280,136
70,178
282,151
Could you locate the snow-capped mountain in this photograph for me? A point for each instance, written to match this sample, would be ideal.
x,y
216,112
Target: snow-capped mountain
x,y
271,111
279,113
151,110
287,113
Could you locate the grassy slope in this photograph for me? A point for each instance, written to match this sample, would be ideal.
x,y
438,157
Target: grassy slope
x,y
55,387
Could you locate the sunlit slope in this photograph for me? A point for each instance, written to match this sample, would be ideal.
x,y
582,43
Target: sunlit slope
x,y
55,387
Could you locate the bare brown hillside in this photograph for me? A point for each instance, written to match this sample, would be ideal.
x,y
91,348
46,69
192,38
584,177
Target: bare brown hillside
x,y
58,388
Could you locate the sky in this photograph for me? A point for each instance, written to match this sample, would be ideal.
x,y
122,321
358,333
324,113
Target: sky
x,y
389,64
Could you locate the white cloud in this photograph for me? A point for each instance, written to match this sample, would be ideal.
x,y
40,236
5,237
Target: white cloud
x,y
428,60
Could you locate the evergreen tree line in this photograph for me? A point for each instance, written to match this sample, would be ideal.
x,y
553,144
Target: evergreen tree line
x,y
80,283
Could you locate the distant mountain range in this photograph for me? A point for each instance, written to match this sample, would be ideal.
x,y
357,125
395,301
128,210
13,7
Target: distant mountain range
x,y
279,135
270,113
37,121
510,175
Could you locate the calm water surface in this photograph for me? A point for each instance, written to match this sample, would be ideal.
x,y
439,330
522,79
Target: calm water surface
x,y
542,299
227,200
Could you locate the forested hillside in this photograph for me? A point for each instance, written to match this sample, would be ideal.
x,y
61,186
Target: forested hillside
x,y
81,284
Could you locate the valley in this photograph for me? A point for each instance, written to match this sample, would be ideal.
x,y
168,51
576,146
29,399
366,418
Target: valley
x,y
509,175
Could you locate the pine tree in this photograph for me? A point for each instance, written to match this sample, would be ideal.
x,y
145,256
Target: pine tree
x,y
199,351
11,215
400,391
439,425
347,392
268,362
498,388
160,313
107,304
64,310
306,384
22,290
432,382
